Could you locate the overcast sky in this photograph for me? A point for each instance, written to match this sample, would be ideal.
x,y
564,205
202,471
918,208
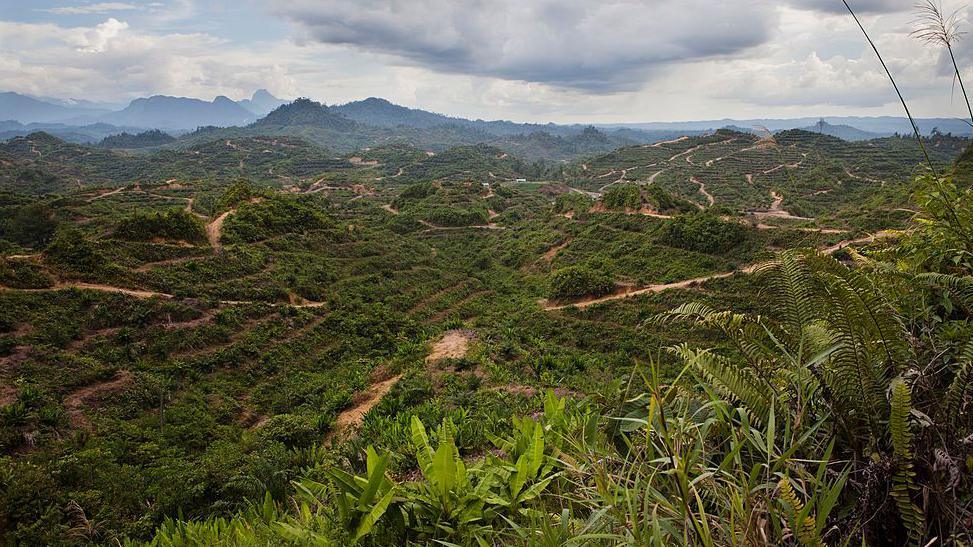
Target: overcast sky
x,y
525,60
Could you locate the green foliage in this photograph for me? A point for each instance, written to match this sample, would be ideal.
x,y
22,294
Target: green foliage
x,y
666,202
454,216
152,137
702,232
785,424
70,249
31,225
240,191
292,430
362,501
622,196
420,190
281,215
904,487
174,225
578,281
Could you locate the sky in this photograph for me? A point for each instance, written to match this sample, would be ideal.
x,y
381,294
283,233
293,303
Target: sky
x,y
566,61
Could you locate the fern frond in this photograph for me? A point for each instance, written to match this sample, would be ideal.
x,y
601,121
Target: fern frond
x,y
956,394
789,279
737,383
903,479
801,521
961,287
871,346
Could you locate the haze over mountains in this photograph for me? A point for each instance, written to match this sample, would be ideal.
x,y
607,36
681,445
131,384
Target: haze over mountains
x,y
375,118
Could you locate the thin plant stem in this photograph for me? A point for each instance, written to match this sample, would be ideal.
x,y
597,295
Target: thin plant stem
x,y
960,80
915,127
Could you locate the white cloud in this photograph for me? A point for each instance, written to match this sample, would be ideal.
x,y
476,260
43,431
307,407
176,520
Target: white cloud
x,y
97,39
622,60
112,61
83,9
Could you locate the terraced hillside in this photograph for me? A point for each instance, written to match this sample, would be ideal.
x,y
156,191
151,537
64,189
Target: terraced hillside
x,y
185,331
793,175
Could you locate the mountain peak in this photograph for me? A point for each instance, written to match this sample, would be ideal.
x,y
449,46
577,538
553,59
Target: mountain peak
x,y
262,102
263,95
304,111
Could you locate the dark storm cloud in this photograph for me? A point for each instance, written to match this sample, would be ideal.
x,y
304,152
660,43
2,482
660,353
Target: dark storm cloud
x,y
607,46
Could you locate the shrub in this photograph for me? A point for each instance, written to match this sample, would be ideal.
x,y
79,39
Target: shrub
x,y
702,232
291,429
419,190
176,224
452,216
31,225
580,280
239,192
622,196
664,201
71,250
281,215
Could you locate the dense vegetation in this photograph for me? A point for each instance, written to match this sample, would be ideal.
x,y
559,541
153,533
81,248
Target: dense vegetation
x,y
174,225
702,232
153,137
579,281
255,340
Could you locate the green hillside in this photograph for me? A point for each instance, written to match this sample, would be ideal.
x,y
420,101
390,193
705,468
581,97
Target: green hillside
x,y
253,339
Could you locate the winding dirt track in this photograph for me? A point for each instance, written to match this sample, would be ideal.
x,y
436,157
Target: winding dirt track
x,y
214,230
673,141
144,294
353,417
688,283
106,194
702,190
453,345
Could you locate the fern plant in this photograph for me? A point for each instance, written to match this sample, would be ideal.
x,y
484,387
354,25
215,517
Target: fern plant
x,y
904,487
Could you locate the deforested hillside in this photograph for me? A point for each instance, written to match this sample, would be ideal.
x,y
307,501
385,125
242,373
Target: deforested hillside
x,y
304,323
267,310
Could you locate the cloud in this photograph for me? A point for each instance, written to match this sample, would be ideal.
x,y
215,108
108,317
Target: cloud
x,y
527,60
608,46
860,6
85,9
97,39
112,61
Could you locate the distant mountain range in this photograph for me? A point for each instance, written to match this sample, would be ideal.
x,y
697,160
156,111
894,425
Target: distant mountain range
x,y
24,109
880,126
156,112
378,122
163,112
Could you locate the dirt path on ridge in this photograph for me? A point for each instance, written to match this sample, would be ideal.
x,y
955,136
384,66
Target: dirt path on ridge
x,y
106,194
702,190
141,293
214,230
673,141
453,345
688,283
